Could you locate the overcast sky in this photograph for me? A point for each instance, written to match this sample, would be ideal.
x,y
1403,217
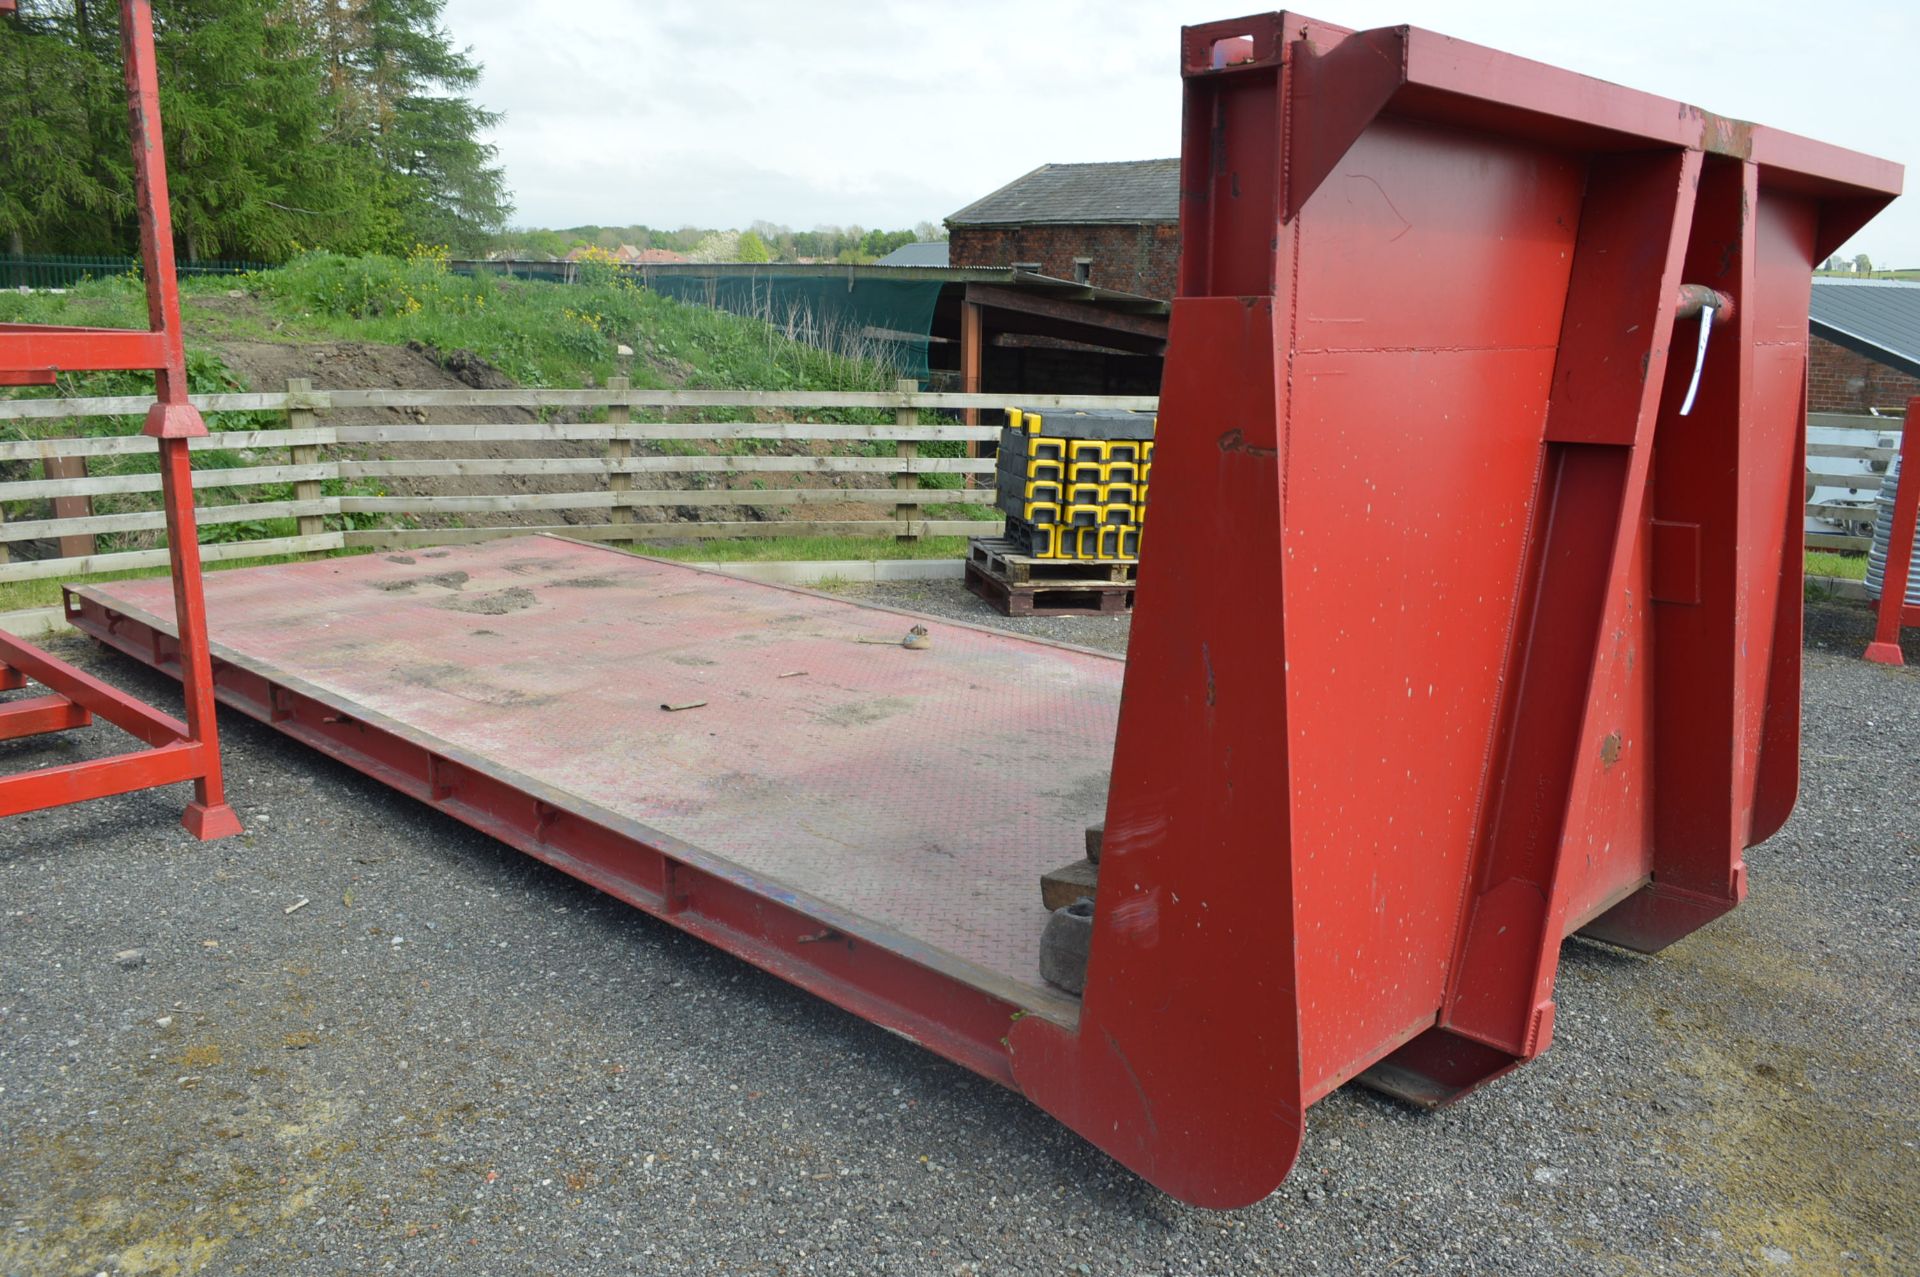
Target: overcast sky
x,y
720,112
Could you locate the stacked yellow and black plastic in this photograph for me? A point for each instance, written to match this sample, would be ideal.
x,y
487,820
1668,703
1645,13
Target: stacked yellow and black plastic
x,y
1074,484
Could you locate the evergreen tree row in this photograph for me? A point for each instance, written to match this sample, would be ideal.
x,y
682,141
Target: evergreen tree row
x,y
290,124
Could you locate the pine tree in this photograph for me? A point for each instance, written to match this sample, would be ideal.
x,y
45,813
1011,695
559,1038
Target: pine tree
x,y
290,124
59,191
396,87
244,113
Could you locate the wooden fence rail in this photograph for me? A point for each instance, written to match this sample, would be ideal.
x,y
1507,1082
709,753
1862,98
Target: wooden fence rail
x,y
326,477
323,463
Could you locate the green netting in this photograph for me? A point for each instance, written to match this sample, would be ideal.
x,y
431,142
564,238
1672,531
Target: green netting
x,y
862,316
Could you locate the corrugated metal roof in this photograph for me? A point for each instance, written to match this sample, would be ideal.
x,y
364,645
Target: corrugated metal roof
x,y
1125,192
1878,318
927,252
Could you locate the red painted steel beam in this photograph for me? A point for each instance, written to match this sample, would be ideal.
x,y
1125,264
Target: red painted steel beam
x,y
47,350
1894,610
101,778
1599,433
39,714
138,720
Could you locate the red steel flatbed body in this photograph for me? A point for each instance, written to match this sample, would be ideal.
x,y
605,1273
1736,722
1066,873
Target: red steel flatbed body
x,y
902,801
1469,620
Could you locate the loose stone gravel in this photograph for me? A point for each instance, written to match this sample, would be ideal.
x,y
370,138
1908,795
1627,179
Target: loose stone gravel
x,y
455,1060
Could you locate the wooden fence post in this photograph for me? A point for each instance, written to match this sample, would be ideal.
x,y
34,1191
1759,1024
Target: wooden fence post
x,y
300,417
619,449
906,513
78,546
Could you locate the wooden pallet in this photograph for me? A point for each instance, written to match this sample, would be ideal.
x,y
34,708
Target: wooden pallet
x,y
1050,598
1004,559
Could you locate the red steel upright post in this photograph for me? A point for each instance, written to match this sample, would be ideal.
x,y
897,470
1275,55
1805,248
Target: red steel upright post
x,y
35,355
1895,611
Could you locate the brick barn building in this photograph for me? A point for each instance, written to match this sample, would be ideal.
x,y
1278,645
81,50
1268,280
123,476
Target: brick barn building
x,y
1113,226
1865,347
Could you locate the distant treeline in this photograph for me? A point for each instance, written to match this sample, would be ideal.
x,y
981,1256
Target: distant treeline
x,y
290,125
760,242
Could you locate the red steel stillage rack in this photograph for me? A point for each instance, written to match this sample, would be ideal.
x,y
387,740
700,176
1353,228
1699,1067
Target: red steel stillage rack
x,y
34,355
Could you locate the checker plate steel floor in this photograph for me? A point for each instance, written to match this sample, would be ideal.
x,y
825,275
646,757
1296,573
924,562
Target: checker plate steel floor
x,y
923,792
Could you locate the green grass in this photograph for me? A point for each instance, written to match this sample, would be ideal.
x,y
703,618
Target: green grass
x,y
1853,567
18,595
546,334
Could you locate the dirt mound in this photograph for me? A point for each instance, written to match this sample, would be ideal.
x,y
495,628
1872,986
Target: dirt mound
x,y
359,365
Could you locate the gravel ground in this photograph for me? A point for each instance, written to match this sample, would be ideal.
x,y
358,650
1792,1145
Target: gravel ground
x,y
455,1060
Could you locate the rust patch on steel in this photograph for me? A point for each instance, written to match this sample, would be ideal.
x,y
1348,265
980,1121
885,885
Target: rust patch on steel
x,y
1236,441
499,603
445,580
1724,135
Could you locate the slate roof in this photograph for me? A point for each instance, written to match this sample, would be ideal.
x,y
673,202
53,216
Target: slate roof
x,y
926,252
1878,318
1127,192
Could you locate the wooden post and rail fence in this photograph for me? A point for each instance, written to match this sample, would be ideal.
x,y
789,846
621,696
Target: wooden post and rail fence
x,y
313,456
318,455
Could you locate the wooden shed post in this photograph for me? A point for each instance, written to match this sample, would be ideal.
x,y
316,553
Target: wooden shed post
x,y
972,338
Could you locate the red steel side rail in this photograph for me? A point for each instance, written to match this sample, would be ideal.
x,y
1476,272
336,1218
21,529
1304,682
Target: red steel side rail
x,y
1895,611
34,355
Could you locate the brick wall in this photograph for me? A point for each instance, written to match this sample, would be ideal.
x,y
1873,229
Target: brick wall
x,y
1840,381
1131,259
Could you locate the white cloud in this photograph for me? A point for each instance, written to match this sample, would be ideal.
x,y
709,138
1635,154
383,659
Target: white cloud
x,y
718,112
